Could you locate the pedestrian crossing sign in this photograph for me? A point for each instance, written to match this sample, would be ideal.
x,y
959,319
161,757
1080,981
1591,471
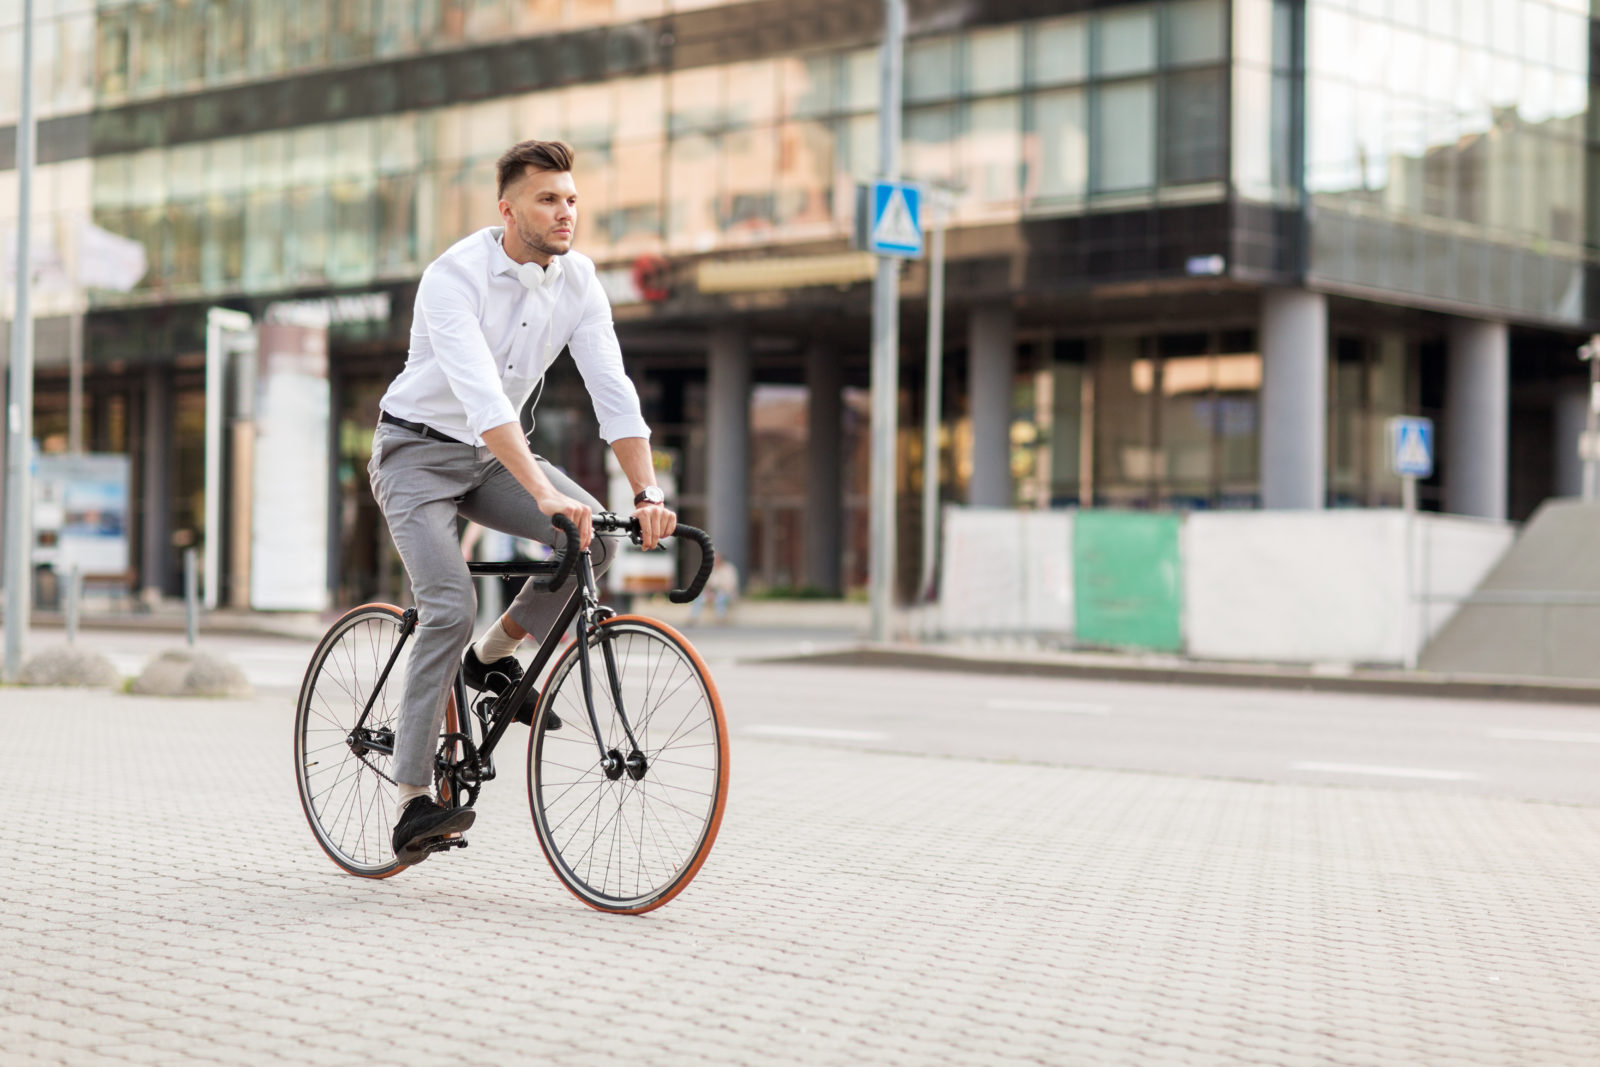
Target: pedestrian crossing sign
x,y
1411,447
893,219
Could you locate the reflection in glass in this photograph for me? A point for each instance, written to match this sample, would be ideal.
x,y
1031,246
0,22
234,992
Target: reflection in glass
x,y
1061,124
930,70
994,60
695,100
1125,40
1192,127
805,178
752,93
640,178
992,150
810,85
397,224
1196,32
692,193
746,211
929,150
1124,150
1058,50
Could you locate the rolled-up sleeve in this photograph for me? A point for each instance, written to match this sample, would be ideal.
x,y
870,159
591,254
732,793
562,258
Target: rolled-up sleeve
x,y
447,304
599,358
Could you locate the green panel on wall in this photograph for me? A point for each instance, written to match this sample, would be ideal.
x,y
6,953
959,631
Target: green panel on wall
x,y
1126,580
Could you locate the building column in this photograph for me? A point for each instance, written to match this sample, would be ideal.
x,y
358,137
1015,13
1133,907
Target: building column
x,y
1477,419
728,447
1571,419
1294,399
154,485
824,504
991,366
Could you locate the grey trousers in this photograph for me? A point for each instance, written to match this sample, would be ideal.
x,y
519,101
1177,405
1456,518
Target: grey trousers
x,y
422,485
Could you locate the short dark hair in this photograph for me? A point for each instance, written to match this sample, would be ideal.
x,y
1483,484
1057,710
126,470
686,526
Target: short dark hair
x,y
540,155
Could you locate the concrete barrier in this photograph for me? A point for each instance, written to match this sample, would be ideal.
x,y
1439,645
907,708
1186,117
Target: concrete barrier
x,y
1270,586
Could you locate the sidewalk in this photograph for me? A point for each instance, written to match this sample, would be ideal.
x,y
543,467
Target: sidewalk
x,y
834,633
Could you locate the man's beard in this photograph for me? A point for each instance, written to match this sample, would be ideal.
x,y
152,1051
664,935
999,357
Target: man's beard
x,y
531,240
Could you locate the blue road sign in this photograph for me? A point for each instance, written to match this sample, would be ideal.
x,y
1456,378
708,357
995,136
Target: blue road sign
x,y
896,228
1411,447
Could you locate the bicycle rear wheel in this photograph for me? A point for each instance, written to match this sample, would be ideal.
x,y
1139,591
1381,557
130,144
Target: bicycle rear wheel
x,y
626,844
347,795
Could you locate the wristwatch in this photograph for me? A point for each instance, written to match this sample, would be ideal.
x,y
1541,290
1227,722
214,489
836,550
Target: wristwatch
x,y
650,494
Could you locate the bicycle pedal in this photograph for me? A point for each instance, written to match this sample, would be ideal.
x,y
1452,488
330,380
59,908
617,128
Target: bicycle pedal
x,y
441,844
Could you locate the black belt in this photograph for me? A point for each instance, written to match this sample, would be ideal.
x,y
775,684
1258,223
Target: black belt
x,y
417,427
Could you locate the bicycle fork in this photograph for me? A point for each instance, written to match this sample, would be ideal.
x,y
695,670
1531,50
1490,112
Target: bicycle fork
x,y
611,761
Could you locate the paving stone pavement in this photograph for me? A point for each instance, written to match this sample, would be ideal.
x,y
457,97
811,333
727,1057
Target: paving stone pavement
x,y
164,902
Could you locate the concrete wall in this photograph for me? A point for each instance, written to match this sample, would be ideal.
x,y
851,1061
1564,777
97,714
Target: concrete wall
x,y
1006,572
1275,586
1331,587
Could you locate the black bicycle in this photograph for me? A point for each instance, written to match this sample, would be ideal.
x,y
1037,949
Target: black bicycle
x,y
627,762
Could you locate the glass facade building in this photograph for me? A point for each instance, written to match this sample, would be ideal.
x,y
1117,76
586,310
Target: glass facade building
x,y
1130,184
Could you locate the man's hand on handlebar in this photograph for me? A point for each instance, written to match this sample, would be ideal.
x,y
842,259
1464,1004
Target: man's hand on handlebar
x,y
655,522
578,513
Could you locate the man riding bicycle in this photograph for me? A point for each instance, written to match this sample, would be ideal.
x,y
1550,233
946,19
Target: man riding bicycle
x,y
491,314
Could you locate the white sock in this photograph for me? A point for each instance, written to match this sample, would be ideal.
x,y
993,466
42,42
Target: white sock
x,y
405,794
495,644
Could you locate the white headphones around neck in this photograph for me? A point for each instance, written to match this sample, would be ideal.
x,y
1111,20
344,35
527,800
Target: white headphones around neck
x,y
533,276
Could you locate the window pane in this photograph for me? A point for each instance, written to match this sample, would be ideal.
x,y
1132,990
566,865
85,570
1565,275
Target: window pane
x,y
1059,50
1195,31
1125,41
809,85
396,224
749,165
1192,133
993,149
696,97
692,193
929,151
639,109
639,178
994,61
1061,122
354,253
1125,119
752,90
861,80
805,176
931,70
1124,457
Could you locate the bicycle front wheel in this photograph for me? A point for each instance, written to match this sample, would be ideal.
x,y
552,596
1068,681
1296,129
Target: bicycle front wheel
x,y
346,788
627,842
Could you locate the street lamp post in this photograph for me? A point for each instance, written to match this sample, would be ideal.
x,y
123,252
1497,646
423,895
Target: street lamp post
x,y
1589,446
19,409
886,339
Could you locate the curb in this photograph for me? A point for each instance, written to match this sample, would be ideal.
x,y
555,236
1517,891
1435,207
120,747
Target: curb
x,y
1373,683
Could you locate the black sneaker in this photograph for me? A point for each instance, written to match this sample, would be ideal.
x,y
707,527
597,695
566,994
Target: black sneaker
x,y
499,678
423,824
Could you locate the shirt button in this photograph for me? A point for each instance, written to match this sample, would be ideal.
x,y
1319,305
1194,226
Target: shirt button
x,y
524,324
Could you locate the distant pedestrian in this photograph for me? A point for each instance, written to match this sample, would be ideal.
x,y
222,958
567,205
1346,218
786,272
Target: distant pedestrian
x,y
722,588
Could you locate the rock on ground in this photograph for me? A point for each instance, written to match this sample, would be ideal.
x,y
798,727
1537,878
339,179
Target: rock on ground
x,y
69,665
185,672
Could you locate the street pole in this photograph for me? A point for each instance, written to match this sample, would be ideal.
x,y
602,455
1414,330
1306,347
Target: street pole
x,y
935,398
221,324
1590,353
19,411
886,338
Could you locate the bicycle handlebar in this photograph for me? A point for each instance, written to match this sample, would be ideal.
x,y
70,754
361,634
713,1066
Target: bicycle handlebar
x,y
605,522
569,558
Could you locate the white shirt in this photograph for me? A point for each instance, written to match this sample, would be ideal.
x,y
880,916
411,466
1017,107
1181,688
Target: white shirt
x,y
480,340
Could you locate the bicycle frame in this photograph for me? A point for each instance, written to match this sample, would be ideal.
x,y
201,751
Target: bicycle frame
x,y
583,612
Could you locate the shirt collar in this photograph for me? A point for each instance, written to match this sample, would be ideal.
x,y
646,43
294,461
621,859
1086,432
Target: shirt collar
x,y
499,262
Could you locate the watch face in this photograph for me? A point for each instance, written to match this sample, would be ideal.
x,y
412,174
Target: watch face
x,y
650,494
